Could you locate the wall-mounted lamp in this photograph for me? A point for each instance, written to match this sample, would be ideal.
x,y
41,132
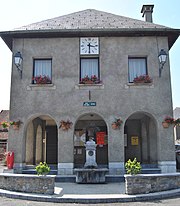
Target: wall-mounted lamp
x,y
18,61
162,60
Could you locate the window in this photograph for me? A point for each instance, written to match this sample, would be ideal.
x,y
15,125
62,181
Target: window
x,y
89,68
42,71
137,67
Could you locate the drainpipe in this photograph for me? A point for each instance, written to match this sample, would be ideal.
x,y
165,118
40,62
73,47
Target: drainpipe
x,y
147,11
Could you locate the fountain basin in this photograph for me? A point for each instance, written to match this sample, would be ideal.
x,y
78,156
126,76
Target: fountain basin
x,y
90,175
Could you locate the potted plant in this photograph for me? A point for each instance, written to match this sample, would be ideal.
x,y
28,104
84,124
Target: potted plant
x,y
65,125
42,79
133,167
4,125
117,123
142,79
15,124
90,80
177,122
167,121
42,169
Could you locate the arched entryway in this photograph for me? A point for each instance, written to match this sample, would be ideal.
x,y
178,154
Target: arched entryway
x,y
90,126
41,141
141,139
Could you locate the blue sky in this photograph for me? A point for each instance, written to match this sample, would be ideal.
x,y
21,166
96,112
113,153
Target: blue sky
x,y
16,13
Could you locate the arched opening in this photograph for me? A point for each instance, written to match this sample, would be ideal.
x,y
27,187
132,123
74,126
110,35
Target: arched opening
x,y
41,141
141,139
94,127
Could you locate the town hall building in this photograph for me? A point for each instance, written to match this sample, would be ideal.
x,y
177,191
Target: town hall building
x,y
91,75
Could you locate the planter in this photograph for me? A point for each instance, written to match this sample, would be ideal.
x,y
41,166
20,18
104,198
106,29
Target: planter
x,y
4,130
165,124
140,82
114,126
89,82
65,125
28,183
16,126
148,183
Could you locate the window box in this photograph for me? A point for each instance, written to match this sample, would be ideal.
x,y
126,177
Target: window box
x,y
42,80
90,80
142,79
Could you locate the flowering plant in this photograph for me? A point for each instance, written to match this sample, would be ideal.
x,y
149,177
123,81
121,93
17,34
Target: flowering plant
x,y
4,124
117,123
42,168
16,124
65,125
177,122
90,80
42,79
142,79
133,167
169,120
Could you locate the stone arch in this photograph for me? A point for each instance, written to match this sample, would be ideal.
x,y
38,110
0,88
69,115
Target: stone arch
x,y
140,131
90,125
41,140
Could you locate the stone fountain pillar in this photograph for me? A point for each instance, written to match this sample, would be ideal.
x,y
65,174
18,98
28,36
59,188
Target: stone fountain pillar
x,y
90,173
90,154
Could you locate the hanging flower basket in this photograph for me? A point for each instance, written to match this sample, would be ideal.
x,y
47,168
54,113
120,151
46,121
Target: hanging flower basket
x,y
16,124
165,124
65,125
168,121
116,124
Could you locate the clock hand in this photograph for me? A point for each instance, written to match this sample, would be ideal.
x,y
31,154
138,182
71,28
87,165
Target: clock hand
x,y
89,45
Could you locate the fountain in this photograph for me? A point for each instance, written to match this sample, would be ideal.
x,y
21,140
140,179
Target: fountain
x,y
90,173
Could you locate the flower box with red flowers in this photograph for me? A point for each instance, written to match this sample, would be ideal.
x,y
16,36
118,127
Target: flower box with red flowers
x,y
142,79
42,79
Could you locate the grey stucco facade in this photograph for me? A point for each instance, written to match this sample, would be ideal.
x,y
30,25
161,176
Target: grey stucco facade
x,y
139,106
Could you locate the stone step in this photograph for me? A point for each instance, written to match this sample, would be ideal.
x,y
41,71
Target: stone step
x,y
150,171
33,171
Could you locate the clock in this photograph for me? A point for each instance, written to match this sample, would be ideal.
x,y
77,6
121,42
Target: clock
x,y
89,45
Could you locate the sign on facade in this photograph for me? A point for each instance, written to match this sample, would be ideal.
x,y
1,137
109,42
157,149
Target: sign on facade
x,y
89,104
134,140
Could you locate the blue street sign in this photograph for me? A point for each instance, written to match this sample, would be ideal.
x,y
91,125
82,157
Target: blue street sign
x,y
89,104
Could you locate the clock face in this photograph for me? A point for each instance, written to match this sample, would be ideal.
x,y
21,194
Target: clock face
x,y
89,45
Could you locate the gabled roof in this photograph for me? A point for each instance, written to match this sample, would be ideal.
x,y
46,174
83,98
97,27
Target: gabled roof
x,y
90,22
